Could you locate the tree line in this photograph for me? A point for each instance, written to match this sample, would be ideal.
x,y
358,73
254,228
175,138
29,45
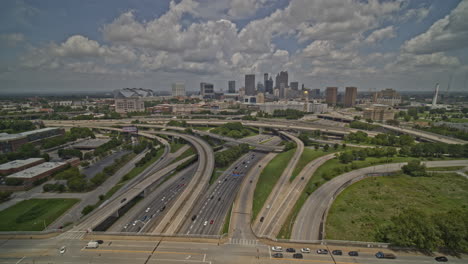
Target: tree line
x,y
224,158
381,139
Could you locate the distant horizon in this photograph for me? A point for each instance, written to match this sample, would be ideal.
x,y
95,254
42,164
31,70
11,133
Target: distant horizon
x,y
105,45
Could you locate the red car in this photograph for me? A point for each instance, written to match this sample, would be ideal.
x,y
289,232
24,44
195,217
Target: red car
x,y
211,222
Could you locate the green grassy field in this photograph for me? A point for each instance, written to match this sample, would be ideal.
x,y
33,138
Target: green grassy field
x,y
451,168
33,214
362,207
227,222
268,178
307,156
202,128
327,171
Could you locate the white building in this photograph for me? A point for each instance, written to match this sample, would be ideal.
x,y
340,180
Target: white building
x,y
317,108
178,89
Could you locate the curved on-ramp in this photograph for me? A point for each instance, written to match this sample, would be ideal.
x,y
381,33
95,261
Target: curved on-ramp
x,y
309,225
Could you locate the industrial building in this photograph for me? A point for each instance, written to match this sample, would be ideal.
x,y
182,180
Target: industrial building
x,y
379,112
19,165
32,174
12,142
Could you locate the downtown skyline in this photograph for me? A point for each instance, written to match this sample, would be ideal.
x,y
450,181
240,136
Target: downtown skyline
x,y
65,46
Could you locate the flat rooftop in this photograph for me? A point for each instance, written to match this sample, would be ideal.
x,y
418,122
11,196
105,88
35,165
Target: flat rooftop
x,y
18,163
91,143
36,170
6,136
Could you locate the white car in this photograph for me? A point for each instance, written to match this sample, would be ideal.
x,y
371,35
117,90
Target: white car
x,y
305,250
147,209
134,223
277,249
63,249
206,222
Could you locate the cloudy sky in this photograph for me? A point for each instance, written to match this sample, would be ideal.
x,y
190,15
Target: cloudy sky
x,y
89,45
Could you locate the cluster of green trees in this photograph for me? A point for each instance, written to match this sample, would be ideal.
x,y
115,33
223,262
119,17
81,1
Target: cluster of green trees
x,y
288,145
12,126
101,150
74,134
415,228
5,196
151,154
381,139
234,130
142,146
69,153
435,150
25,151
225,157
362,154
182,123
415,168
445,130
76,182
54,187
362,125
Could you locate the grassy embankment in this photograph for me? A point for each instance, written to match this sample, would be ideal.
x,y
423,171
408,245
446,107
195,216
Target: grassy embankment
x,y
33,214
268,178
324,173
307,156
363,206
176,146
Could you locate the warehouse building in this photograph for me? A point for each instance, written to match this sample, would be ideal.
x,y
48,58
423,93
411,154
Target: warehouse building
x,y
19,165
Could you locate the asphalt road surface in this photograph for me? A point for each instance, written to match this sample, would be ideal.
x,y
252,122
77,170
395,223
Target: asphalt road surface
x,y
47,251
207,216
309,219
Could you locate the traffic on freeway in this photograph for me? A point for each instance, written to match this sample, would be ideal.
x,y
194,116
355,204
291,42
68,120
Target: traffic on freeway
x,y
208,215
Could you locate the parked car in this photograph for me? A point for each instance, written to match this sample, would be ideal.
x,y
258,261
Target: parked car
x,y
290,250
337,252
278,255
305,250
441,259
298,256
322,251
277,249
353,253
380,254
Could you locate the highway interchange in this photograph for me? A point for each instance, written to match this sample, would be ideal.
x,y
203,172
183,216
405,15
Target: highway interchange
x,y
186,204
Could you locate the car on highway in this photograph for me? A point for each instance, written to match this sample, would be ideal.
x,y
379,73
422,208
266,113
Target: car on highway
x,y
305,250
380,254
194,217
298,256
211,222
100,241
125,226
278,255
134,223
162,209
290,250
123,200
277,249
322,251
205,223
63,249
262,218
147,209
353,253
441,259
337,252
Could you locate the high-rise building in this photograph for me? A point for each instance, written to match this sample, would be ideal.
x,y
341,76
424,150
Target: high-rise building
x,y
282,90
387,97
265,79
207,90
130,99
330,95
269,86
282,78
294,86
315,93
232,86
250,84
178,89
350,96
260,87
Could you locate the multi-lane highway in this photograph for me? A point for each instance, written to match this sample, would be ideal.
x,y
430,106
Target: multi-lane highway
x,y
151,209
308,225
208,215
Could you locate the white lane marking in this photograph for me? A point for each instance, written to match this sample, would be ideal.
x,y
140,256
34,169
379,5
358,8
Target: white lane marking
x,y
20,260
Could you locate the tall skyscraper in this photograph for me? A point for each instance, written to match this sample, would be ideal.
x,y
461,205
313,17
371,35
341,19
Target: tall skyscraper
x,y
265,78
282,90
282,78
232,86
294,86
330,95
269,86
207,90
260,87
178,89
250,84
315,93
350,96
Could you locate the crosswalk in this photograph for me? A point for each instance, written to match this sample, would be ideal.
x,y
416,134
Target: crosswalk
x,y
72,235
243,242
